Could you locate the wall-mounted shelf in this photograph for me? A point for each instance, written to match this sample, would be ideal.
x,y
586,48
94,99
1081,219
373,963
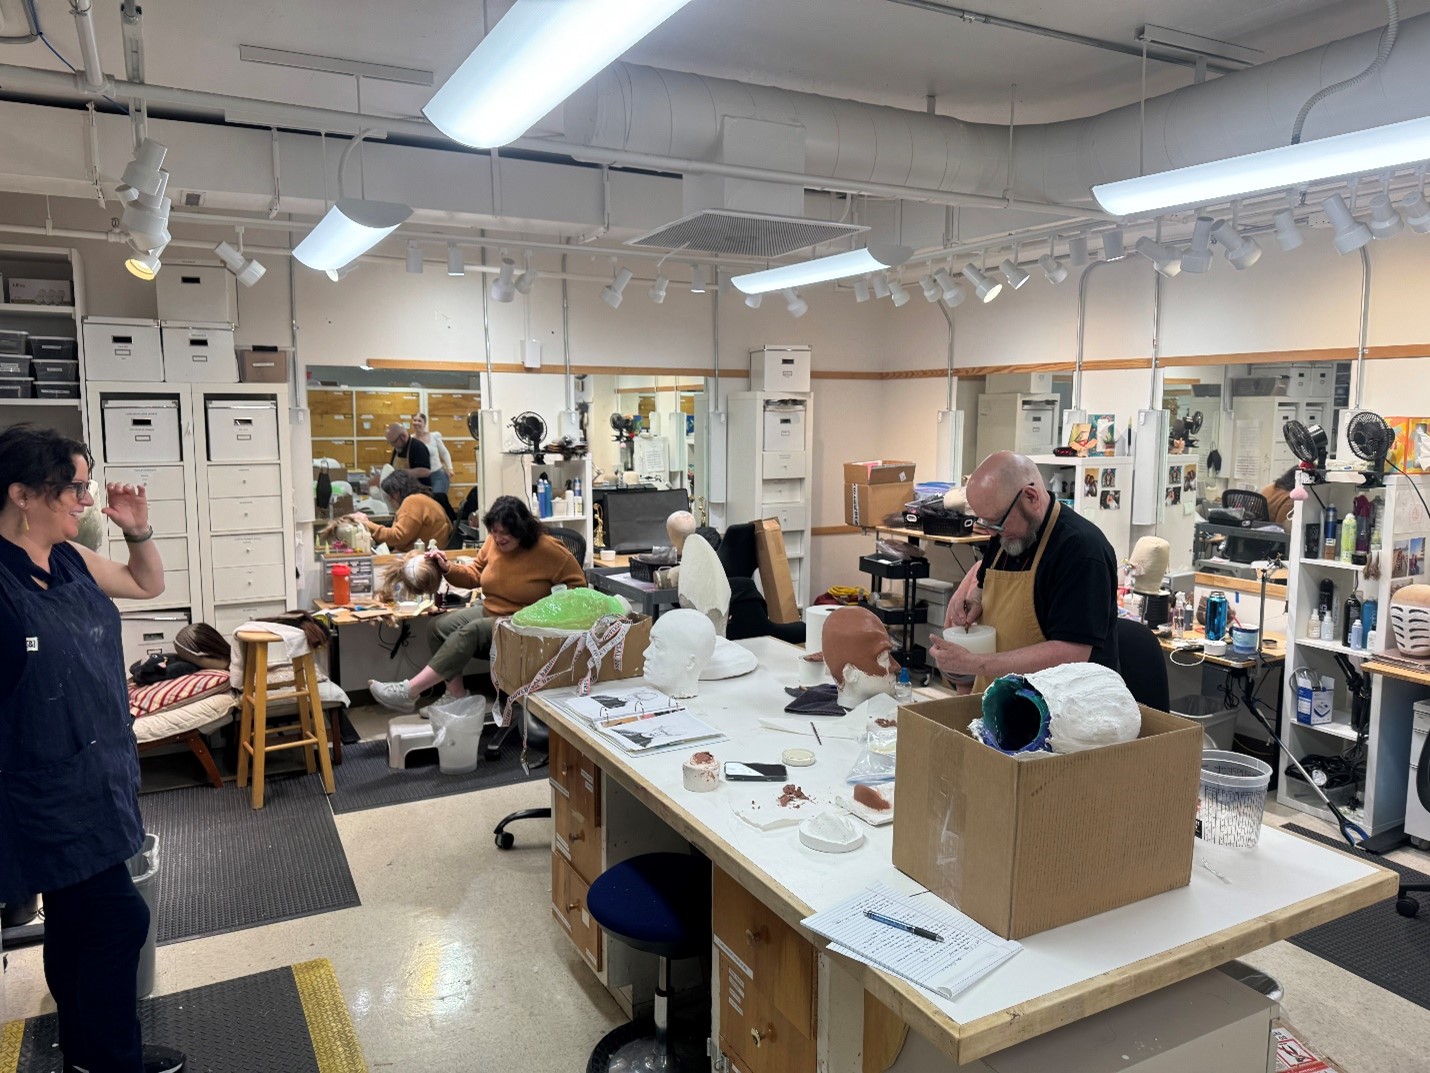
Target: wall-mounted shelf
x,y
73,404
1333,564
1333,646
28,310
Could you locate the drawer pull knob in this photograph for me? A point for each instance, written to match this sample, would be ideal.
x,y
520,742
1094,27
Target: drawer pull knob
x,y
576,836
759,1035
573,907
754,936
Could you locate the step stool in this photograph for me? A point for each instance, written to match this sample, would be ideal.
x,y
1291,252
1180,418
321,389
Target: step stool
x,y
406,733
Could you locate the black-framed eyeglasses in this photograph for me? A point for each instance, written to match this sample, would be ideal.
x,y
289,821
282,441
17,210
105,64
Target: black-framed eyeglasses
x,y
997,527
79,488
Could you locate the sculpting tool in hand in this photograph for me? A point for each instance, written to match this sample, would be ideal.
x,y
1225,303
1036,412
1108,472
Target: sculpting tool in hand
x,y
912,929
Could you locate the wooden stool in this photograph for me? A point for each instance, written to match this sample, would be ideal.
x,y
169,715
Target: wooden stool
x,y
255,738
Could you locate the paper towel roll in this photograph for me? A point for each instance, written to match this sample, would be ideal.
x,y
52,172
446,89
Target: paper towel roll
x,y
814,617
979,639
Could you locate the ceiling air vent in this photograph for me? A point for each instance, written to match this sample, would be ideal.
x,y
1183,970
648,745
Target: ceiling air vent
x,y
744,234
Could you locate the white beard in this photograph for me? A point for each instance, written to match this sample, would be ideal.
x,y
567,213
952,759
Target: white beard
x,y
1015,548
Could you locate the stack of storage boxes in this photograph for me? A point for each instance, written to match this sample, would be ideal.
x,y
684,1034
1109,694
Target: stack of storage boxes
x,y
38,366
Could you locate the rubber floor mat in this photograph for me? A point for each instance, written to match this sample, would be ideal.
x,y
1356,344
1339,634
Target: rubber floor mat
x,y
365,781
225,866
1376,943
288,1020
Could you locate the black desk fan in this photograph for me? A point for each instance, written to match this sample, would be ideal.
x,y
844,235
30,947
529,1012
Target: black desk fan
x,y
1310,445
530,429
1371,439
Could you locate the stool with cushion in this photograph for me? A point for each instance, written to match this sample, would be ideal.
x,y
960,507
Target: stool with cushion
x,y
256,739
659,903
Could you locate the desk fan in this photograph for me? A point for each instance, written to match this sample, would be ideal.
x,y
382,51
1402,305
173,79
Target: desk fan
x,y
530,429
1186,429
1371,439
1309,444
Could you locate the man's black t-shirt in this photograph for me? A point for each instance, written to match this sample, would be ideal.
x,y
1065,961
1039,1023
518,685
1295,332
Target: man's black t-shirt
x,y
1075,588
418,457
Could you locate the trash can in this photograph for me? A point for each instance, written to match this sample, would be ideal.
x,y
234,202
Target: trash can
x,y
1254,978
144,870
1218,722
457,727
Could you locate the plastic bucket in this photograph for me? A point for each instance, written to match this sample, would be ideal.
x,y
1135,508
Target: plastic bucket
x,y
458,726
144,870
1231,799
1217,721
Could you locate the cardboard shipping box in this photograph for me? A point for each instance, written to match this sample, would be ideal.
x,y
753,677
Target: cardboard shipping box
x,y
516,659
1022,846
879,471
775,577
262,367
875,490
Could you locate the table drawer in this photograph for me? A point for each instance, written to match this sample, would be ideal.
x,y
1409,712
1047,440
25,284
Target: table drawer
x,y
245,515
331,426
578,776
568,906
576,836
754,1032
242,584
248,550
243,482
781,962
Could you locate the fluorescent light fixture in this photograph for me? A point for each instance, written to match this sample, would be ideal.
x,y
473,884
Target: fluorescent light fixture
x,y
754,300
881,285
1417,211
504,286
141,175
351,228
1054,271
898,294
987,289
540,53
1351,235
456,263
144,263
1164,258
146,218
1112,249
1385,221
657,289
1198,256
340,273
797,306
1288,235
1077,250
1015,276
528,277
861,290
821,269
1241,251
612,293
697,279
414,259
247,272
930,289
1377,149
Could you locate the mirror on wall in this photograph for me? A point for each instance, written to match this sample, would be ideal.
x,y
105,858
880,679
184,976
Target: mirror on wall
x,y
646,430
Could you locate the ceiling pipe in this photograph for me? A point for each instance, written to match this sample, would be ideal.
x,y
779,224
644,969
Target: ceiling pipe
x,y
1364,337
92,74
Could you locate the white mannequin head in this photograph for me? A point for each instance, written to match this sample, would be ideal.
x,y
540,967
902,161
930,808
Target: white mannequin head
x,y
681,644
679,526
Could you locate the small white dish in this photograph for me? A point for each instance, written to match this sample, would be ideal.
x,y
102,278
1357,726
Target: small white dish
x,y
830,832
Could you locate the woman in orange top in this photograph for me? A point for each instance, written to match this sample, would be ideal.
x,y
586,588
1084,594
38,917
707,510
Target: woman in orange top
x,y
518,565
417,519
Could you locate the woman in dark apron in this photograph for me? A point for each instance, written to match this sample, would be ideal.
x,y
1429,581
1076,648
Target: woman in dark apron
x,y
69,768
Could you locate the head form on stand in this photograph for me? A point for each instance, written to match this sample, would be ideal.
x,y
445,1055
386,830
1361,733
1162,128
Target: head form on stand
x,y
857,653
682,642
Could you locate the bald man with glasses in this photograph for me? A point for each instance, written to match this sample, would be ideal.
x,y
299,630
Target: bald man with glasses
x,y
1047,582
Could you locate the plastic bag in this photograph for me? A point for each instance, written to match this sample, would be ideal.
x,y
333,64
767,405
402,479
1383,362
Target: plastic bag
x,y
878,744
446,714
569,609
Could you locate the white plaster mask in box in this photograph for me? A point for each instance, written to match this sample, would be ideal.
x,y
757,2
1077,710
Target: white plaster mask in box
x,y
703,584
1088,706
681,644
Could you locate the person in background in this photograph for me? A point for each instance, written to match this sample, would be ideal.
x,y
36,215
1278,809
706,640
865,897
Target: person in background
x,y
518,565
416,516
69,767
409,454
1047,582
441,462
1278,497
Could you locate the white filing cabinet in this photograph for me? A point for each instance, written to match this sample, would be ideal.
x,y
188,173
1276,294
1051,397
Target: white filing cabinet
x,y
145,633
1025,423
1417,819
770,471
141,429
242,430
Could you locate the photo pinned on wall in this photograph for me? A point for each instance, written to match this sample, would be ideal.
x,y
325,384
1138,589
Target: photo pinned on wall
x,y
1089,484
1189,478
1408,557
1174,475
1173,495
1080,438
1104,432
1109,478
1111,499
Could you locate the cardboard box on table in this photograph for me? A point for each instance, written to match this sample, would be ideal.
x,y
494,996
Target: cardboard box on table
x,y
876,489
775,578
517,659
1022,846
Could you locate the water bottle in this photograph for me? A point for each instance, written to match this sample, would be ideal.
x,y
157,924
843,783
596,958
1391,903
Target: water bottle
x,y
1216,616
903,687
1357,635
1352,615
1328,534
1369,614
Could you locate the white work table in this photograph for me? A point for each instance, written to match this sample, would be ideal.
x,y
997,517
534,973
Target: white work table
x,y
1238,901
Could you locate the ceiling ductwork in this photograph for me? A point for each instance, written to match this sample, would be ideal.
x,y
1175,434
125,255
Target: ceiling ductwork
x,y
644,110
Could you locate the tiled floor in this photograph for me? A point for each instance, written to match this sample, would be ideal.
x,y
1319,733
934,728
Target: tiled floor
x,y
453,962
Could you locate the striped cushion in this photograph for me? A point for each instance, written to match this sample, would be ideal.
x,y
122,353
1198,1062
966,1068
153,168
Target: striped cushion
x,y
146,700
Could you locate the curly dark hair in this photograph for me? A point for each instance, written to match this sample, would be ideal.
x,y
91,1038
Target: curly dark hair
x,y
399,484
39,458
516,518
1287,480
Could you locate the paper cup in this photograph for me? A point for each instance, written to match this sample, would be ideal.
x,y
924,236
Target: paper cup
x,y
811,671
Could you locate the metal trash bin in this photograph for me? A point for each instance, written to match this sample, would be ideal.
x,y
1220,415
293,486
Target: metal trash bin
x,y
1254,978
144,870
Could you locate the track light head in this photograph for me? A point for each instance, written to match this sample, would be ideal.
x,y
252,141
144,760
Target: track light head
x,y
1288,235
697,279
1197,257
528,277
1242,252
798,307
504,286
881,285
987,289
1077,250
1015,276
247,272
754,300
1164,258
1351,234
658,288
141,175
1112,247
1385,221
146,218
898,294
612,293
336,274
144,264
1054,271
930,289
1417,211
455,264
414,259
861,290
954,294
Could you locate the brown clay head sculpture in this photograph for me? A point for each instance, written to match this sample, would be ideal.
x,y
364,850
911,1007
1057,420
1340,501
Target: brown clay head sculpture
x,y
858,653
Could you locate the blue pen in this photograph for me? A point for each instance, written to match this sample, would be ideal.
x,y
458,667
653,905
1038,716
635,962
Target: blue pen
x,y
923,933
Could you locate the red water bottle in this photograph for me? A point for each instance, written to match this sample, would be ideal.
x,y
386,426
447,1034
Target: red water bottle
x,y
342,586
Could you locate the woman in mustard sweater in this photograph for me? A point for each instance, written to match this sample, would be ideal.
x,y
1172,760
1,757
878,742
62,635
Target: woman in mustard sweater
x,y
417,517
518,565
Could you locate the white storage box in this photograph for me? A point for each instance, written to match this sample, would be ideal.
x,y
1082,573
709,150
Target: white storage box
x,y
123,350
784,429
779,369
1417,819
141,430
242,430
200,354
144,635
1323,380
196,294
40,292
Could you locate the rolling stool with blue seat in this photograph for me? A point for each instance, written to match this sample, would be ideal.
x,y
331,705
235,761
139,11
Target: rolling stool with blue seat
x,y
659,903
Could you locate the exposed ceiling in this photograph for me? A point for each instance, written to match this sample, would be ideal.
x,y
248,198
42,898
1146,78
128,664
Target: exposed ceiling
x,y
873,50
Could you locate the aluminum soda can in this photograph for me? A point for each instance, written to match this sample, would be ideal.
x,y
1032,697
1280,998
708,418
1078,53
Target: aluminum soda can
x,y
1216,616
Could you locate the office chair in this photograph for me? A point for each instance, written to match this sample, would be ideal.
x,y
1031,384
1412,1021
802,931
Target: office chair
x,y
1253,503
574,541
538,737
1142,664
749,612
